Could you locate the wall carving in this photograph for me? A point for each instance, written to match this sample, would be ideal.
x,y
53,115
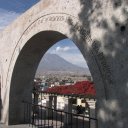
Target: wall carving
x,y
106,69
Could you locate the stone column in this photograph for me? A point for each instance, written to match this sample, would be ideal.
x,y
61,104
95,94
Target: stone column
x,y
92,114
55,102
49,105
0,99
67,108
78,101
87,109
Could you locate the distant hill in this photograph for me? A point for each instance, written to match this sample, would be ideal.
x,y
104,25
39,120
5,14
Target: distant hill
x,y
54,63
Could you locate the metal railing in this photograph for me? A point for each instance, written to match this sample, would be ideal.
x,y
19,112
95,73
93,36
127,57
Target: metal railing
x,y
39,116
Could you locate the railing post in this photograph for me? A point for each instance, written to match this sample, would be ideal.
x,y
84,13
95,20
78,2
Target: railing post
x,y
68,109
69,119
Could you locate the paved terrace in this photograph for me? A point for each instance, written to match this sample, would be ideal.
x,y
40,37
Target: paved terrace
x,y
14,126
55,123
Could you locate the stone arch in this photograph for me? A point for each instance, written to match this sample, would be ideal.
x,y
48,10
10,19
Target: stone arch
x,y
102,39
1,75
30,48
1,85
24,71
22,66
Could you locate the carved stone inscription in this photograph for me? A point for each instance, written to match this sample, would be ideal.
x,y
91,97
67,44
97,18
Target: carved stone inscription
x,y
106,70
52,18
76,27
84,33
45,19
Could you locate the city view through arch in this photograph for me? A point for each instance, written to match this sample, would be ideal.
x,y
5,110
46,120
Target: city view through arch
x,y
74,76
99,29
63,58
63,73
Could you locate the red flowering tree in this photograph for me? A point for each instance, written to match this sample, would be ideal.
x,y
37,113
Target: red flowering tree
x,y
79,88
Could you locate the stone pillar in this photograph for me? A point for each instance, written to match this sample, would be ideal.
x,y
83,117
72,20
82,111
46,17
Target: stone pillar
x,y
78,101
87,109
55,102
67,108
0,99
92,113
49,105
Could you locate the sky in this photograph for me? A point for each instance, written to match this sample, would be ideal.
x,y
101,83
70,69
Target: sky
x,y
11,9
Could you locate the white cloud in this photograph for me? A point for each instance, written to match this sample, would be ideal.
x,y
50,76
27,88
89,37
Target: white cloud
x,y
74,58
62,49
6,17
71,54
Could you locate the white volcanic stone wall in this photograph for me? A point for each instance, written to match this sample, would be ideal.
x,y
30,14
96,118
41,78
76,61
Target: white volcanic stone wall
x,y
99,29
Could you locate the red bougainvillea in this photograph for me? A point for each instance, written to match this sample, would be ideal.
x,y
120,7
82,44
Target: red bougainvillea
x,y
80,88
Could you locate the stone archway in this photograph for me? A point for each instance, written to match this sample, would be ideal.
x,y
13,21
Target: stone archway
x,y
99,37
25,69
0,90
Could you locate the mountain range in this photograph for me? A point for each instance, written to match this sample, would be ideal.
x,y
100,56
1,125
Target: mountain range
x,y
52,63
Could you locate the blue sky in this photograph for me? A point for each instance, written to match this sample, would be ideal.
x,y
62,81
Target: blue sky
x,y
68,50
11,9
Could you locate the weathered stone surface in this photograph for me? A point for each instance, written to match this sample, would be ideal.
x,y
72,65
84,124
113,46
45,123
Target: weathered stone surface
x,y
14,126
99,29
